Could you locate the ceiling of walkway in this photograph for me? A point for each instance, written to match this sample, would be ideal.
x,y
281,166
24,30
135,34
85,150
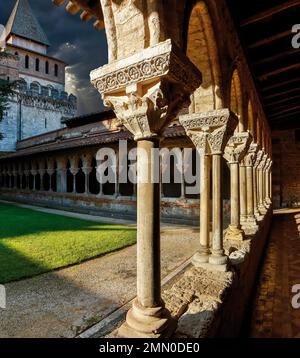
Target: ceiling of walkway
x,y
265,28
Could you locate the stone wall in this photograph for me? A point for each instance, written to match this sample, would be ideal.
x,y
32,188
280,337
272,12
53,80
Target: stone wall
x,y
286,173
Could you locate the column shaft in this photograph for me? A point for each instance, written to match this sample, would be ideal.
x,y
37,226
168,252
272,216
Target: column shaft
x,y
243,194
217,256
148,232
235,197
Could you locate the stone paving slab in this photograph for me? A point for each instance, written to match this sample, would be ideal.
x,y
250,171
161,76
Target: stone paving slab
x,y
273,315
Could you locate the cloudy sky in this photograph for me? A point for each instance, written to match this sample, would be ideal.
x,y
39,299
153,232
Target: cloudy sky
x,y
73,41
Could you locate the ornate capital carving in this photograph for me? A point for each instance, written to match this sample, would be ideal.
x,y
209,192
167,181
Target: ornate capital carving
x,y
262,164
259,156
237,147
250,157
164,60
148,89
210,131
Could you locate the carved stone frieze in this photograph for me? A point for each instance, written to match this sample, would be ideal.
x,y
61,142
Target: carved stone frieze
x,y
162,60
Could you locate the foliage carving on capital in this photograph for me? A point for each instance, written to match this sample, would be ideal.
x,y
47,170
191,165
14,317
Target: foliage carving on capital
x,y
259,156
251,155
237,147
262,164
216,127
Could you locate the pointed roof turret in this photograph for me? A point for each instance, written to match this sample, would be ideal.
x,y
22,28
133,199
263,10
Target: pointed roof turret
x,y
23,23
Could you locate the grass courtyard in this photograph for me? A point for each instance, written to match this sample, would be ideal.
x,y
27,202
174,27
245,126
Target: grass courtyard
x,y
33,242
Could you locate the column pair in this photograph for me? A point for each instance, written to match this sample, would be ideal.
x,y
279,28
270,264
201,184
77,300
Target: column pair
x,y
210,133
147,91
250,225
235,152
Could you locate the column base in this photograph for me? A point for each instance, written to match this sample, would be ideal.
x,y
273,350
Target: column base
x,y
234,233
142,322
218,258
200,257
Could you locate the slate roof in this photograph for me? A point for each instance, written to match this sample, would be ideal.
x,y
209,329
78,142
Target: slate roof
x,y
22,22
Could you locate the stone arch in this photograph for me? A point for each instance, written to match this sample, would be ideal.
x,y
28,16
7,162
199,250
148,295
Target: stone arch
x,y
251,121
203,52
236,99
35,87
258,131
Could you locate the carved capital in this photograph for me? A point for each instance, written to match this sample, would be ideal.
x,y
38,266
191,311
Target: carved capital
x,y
262,164
251,155
87,170
210,131
259,156
148,89
237,147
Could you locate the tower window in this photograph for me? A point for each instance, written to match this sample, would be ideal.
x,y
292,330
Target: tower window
x,y
55,70
37,64
47,67
26,61
16,54
46,123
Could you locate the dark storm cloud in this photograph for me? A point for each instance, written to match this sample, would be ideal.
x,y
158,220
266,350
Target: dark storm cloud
x,y
73,41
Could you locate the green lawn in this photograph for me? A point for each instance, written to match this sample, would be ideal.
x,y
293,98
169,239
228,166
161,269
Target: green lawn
x,y
33,242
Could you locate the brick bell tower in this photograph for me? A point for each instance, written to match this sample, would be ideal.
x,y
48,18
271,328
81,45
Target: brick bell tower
x,y
40,102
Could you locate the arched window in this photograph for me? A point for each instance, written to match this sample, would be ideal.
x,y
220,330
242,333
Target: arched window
x,y
26,61
37,64
56,70
16,53
47,67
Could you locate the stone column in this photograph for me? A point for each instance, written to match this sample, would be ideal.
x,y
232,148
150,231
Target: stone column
x,y
243,193
146,91
261,206
42,172
50,173
210,133
266,183
255,184
61,178
116,171
235,151
271,183
87,171
182,195
250,227
34,173
74,172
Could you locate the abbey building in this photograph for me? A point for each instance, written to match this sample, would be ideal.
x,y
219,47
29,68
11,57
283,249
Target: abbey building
x,y
40,103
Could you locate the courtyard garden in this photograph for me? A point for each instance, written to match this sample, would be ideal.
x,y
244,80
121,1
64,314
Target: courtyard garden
x,y
33,242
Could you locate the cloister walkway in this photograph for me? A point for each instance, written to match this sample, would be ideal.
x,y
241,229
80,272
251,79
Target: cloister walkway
x,y
273,315
64,302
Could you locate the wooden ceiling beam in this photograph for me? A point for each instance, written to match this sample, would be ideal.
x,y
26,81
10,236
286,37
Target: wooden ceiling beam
x,y
270,12
282,93
282,101
280,84
270,39
292,109
276,57
265,76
